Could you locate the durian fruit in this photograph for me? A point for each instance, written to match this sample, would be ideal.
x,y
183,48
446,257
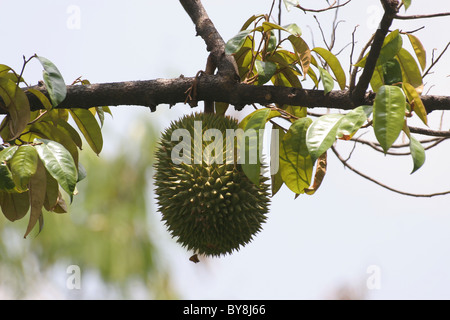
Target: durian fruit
x,y
210,208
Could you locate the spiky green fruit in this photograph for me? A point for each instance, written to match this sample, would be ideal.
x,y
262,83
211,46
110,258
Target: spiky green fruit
x,y
210,207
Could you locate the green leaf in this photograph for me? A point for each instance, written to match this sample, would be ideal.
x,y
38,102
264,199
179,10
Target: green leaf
x,y
15,205
38,184
392,72
417,153
250,21
54,81
334,64
58,162
253,124
221,107
265,71
327,80
275,171
234,44
321,170
87,124
352,122
291,28
18,107
419,49
42,98
6,179
7,153
322,134
406,3
23,165
51,193
391,46
415,100
388,115
296,164
48,131
410,69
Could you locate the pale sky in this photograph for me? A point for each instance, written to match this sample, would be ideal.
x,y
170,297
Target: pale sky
x,y
312,246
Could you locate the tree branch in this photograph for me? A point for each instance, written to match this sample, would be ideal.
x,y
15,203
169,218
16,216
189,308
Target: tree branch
x,y
423,16
365,176
152,93
390,11
226,64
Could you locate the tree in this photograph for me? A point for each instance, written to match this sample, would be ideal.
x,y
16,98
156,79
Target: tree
x,y
41,147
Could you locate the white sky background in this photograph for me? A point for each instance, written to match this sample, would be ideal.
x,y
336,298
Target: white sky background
x,y
312,246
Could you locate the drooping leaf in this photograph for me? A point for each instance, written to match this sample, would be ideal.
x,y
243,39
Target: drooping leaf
x,y
327,80
321,170
410,69
87,124
275,171
15,205
419,49
58,162
6,179
417,153
352,122
406,3
234,44
65,127
415,100
38,184
334,64
296,164
54,81
51,193
23,165
302,50
388,115
322,134
252,124
18,107
42,98
48,131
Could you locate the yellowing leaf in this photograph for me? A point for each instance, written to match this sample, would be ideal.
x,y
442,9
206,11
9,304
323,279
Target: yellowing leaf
x,y
415,100
38,184
334,64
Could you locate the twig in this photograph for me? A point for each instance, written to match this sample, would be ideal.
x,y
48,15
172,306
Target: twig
x,y
422,16
417,195
331,7
434,62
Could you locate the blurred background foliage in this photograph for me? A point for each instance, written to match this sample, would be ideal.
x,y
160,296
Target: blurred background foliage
x,y
106,233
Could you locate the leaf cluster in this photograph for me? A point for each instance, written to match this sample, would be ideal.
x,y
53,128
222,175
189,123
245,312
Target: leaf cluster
x,y
299,149
39,154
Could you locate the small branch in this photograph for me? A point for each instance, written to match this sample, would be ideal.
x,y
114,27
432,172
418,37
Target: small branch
x,y
423,16
331,7
417,195
433,63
